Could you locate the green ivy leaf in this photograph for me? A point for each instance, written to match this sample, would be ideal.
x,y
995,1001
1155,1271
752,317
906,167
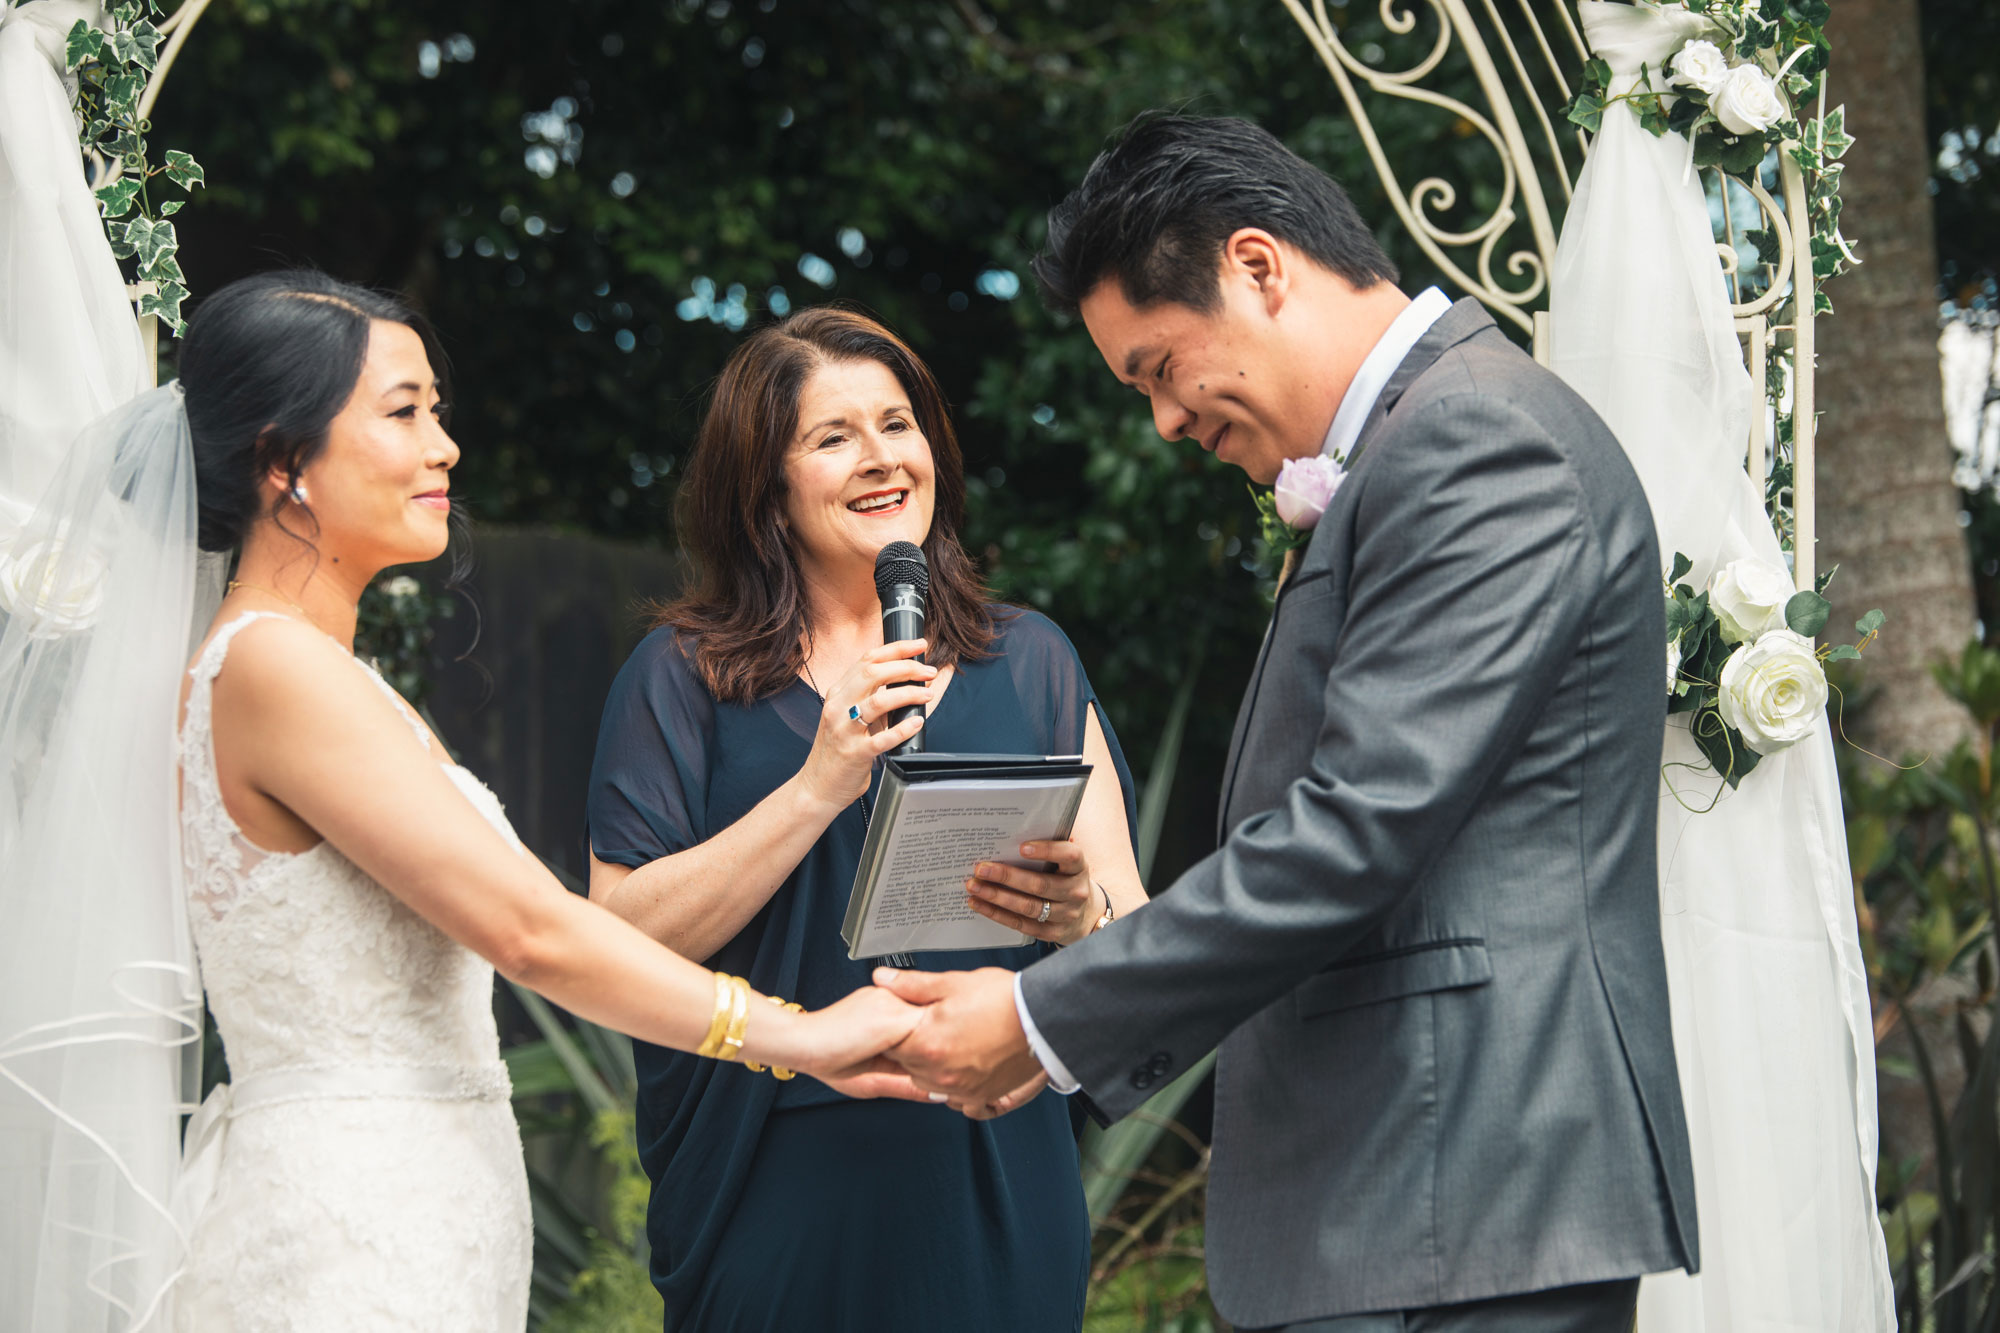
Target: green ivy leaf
x,y
1820,583
164,269
121,94
171,207
1822,303
1709,145
165,303
1686,111
1833,136
115,232
1812,12
1757,35
149,238
137,44
183,170
1806,613
1681,566
1721,745
1870,623
1843,652
1765,239
1586,110
83,43
1652,118
1598,72
116,199
1743,156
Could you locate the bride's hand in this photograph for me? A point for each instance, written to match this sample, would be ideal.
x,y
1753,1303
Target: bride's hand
x,y
847,744
842,1045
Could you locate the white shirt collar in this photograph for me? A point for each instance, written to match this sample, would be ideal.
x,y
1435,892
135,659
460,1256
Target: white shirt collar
x,y
1369,381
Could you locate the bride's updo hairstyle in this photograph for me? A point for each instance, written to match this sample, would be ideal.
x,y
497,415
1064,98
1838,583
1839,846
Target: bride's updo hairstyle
x,y
267,364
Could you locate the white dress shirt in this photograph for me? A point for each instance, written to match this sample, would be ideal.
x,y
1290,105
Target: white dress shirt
x,y
1404,333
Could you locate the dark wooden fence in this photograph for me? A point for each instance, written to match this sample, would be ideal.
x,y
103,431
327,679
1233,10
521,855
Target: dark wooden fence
x,y
555,615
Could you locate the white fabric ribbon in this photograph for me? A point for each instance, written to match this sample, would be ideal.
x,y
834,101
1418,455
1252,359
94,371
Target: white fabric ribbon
x,y
206,1142
1772,1029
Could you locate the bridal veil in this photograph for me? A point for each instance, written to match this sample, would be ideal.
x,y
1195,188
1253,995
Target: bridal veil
x,y
99,999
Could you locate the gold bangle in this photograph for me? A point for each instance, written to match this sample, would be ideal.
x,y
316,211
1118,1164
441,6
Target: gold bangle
x,y
778,1072
719,1024
739,1020
752,1065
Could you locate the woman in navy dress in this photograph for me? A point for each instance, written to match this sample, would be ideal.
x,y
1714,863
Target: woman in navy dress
x,y
728,804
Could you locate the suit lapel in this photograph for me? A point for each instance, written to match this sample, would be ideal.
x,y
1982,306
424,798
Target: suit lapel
x,y
1465,318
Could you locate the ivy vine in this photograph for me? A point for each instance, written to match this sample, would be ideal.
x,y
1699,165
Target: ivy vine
x,y
112,69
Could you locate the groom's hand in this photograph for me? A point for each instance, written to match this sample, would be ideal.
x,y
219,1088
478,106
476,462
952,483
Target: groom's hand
x,y
968,1046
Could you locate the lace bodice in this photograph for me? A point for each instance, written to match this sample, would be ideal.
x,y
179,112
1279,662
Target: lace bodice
x,y
306,960
361,1169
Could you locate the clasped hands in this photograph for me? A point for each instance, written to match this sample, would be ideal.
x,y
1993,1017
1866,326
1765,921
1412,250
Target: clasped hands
x,y
965,1046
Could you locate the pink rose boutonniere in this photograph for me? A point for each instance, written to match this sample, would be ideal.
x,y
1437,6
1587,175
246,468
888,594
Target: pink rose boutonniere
x,y
1305,487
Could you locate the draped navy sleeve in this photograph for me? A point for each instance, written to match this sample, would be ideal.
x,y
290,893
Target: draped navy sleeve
x,y
651,770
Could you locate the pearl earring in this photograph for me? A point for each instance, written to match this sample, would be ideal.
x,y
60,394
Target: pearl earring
x,y
299,493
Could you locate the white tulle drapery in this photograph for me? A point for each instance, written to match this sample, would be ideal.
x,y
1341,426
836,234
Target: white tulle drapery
x,y
1770,1001
99,1000
69,350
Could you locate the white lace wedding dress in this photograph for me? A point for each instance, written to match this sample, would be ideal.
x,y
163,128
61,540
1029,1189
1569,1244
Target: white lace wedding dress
x,y
363,1170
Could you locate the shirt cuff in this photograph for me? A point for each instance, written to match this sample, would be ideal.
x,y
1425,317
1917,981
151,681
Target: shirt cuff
x,y
1059,1075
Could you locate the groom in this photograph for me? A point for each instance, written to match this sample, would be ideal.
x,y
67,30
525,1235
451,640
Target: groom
x,y
1429,943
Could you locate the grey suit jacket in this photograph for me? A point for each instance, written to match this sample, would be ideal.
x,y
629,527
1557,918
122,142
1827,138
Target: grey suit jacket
x,y
1431,933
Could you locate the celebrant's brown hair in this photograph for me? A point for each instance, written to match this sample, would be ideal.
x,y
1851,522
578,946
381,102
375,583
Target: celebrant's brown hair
x,y
745,608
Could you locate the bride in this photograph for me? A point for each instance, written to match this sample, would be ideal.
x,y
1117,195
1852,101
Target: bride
x,y
349,890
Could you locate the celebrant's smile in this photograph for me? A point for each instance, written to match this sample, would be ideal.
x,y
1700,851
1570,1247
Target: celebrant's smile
x,y
880,502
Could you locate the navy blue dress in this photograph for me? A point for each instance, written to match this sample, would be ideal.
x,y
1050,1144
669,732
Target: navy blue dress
x,y
779,1207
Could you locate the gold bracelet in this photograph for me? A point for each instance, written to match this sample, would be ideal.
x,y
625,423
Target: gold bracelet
x,y
778,1072
719,1023
739,1020
784,1075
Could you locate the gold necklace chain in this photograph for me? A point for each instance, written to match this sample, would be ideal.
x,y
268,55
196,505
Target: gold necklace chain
x,y
234,584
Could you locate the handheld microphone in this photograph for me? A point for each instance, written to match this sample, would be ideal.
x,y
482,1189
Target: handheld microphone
x,y
903,582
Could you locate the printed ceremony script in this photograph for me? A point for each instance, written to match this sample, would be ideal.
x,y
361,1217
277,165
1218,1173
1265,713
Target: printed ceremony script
x,y
937,816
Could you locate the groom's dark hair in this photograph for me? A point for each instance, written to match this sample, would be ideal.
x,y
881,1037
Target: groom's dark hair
x,y
1157,206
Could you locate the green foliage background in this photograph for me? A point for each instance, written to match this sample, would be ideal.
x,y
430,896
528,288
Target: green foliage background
x,y
714,144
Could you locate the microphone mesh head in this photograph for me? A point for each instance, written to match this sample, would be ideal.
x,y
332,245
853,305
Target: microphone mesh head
x,y
902,562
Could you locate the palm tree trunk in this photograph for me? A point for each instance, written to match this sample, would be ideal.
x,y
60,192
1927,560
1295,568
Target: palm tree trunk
x,y
1888,510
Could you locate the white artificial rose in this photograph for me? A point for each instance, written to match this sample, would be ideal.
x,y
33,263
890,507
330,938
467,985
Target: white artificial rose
x,y
1773,691
1747,102
1673,664
402,586
1748,597
1700,66
53,590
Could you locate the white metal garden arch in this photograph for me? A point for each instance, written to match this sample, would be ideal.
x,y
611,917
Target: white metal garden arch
x,y
1532,74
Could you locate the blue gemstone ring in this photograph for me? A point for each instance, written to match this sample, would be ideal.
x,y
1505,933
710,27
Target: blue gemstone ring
x,y
854,712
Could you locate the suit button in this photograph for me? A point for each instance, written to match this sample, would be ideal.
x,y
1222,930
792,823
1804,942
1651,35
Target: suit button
x,y
1160,1063
1142,1079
